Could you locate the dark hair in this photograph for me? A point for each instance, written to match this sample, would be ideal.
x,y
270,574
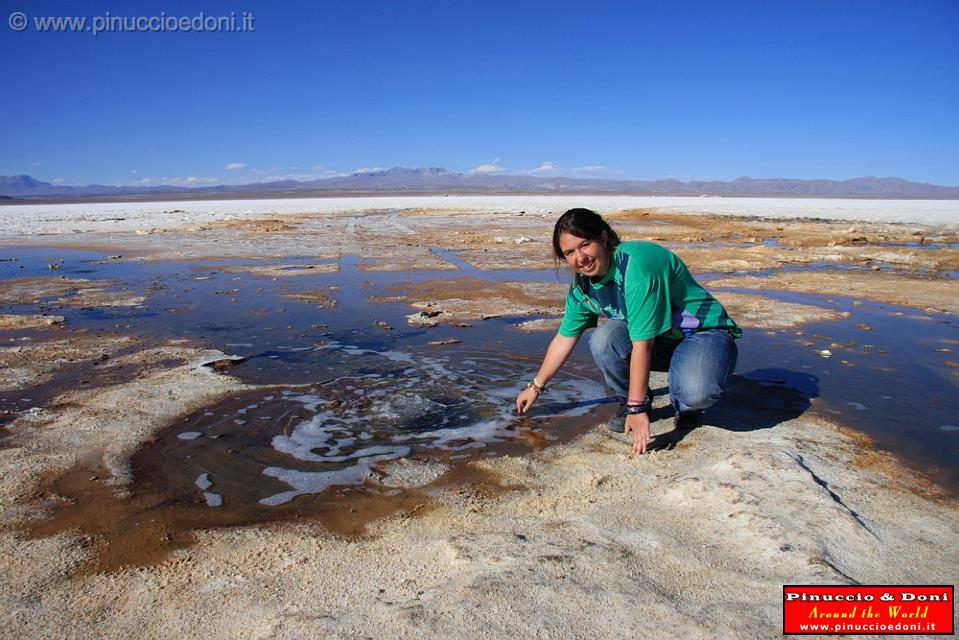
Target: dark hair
x,y
586,224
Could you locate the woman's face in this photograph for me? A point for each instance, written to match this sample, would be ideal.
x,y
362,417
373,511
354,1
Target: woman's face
x,y
588,257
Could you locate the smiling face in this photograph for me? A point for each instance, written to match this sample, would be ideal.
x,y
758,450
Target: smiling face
x,y
587,257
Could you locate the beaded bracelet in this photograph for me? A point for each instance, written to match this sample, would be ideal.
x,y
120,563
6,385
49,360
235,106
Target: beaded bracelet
x,y
534,384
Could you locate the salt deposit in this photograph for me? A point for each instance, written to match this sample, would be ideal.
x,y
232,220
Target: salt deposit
x,y
122,217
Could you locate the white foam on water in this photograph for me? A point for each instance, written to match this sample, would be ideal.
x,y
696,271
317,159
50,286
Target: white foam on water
x,y
949,427
331,344
239,344
431,405
189,435
213,499
568,398
408,407
310,402
323,433
424,364
304,482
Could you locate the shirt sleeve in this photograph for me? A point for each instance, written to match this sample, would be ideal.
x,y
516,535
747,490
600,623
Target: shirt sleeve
x,y
576,318
648,310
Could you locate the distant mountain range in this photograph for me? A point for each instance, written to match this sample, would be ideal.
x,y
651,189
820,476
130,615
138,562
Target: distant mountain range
x,y
434,181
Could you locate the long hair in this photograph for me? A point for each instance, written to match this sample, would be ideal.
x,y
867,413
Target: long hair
x,y
586,224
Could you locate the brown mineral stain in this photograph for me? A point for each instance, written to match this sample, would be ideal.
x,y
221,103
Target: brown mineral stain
x,y
285,224
144,524
869,456
144,528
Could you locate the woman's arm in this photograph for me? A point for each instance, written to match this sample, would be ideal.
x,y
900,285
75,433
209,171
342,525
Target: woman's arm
x,y
639,365
556,355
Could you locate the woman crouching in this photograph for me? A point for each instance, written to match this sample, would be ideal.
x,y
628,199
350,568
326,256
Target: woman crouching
x,y
660,319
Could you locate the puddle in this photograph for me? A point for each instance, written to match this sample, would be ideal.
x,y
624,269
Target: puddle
x,y
360,402
887,375
931,245
547,275
269,447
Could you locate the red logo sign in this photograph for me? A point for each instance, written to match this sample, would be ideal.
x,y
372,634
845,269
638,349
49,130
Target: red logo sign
x,y
874,610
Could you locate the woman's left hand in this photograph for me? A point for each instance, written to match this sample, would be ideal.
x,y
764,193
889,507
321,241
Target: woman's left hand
x,y
638,423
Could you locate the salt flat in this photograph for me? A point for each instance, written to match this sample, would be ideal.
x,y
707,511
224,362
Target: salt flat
x,y
28,219
575,540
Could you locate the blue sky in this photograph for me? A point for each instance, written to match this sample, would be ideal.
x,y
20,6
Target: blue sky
x,y
694,90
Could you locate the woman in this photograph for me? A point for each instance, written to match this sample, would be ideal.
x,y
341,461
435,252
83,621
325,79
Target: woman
x,y
660,318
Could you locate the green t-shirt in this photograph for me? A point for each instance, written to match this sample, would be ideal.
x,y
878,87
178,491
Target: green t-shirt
x,y
649,287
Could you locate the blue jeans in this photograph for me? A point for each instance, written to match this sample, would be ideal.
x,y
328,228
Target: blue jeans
x,y
698,366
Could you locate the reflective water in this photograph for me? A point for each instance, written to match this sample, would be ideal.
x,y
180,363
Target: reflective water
x,y
375,406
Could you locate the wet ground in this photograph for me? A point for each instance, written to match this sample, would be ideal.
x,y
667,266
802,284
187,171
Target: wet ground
x,y
349,387
357,409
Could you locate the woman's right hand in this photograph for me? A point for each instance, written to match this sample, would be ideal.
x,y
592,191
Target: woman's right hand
x,y
526,399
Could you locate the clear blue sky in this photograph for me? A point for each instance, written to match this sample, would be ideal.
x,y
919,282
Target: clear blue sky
x,y
715,90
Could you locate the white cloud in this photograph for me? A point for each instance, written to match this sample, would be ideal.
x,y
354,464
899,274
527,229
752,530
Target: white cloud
x,y
182,181
249,176
325,172
368,169
58,181
301,177
234,166
549,168
546,167
486,169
